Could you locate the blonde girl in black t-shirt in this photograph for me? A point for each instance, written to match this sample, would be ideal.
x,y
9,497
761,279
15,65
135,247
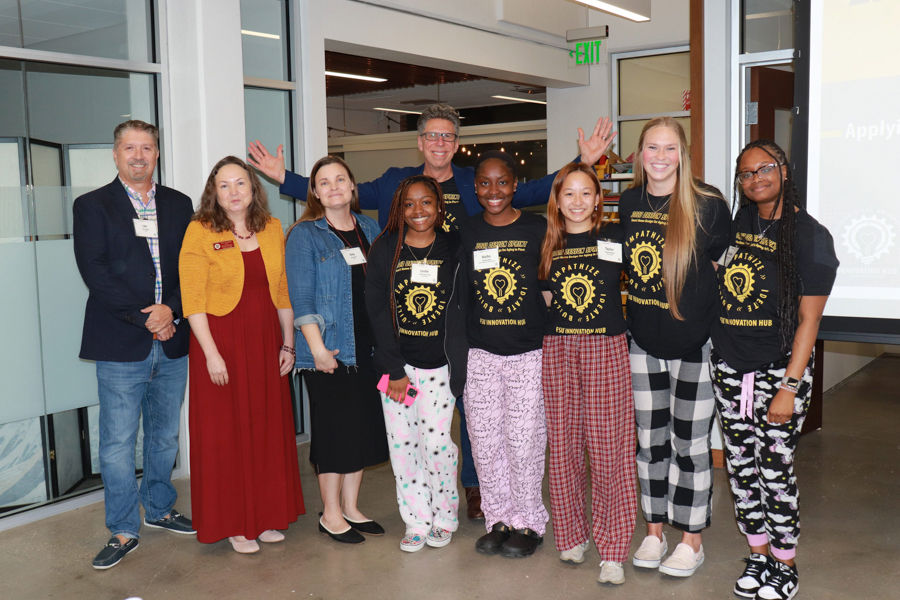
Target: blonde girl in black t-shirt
x,y
675,230
773,288
586,376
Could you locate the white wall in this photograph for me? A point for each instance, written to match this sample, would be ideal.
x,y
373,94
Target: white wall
x,y
843,359
568,109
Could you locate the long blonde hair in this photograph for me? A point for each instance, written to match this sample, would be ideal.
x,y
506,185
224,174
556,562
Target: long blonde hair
x,y
680,249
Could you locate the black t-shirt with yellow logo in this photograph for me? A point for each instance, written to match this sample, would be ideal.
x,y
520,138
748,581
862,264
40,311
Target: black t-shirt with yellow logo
x,y
644,218
507,313
455,214
421,306
586,296
746,332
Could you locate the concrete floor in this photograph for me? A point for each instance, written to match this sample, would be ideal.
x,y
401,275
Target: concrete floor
x,y
849,476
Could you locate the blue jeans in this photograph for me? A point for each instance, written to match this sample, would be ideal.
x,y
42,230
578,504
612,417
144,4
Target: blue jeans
x,y
155,386
467,473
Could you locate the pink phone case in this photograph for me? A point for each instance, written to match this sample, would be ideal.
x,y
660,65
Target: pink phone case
x,y
411,392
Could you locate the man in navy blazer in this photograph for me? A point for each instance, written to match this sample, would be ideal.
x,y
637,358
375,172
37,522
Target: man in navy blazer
x,y
127,238
438,140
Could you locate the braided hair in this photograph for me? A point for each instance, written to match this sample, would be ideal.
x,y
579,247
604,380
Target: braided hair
x,y
785,255
397,223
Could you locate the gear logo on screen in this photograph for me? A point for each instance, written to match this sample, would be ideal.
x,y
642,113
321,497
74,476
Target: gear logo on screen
x,y
868,238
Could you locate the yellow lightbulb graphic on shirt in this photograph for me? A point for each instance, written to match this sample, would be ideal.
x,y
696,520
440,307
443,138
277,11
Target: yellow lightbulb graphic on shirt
x,y
500,284
739,280
645,261
420,300
578,291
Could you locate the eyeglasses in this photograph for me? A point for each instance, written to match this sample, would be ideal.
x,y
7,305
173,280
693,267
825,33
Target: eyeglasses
x,y
432,136
747,176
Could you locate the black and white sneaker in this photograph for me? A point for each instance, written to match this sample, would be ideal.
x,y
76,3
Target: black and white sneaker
x,y
782,583
755,574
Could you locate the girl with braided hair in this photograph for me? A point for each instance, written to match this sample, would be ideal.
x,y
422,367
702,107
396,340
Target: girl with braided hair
x,y
774,282
415,298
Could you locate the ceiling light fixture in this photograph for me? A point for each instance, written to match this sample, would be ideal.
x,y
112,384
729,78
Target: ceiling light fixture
x,y
397,110
520,99
351,76
607,7
270,36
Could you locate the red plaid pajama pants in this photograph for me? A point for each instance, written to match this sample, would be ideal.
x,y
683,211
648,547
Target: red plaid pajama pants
x,y
589,404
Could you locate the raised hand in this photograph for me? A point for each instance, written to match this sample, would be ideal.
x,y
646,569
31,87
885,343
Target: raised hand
x,y
594,147
268,165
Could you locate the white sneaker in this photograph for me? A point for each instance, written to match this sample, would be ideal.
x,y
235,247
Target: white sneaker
x,y
651,552
683,562
438,537
611,572
574,555
412,542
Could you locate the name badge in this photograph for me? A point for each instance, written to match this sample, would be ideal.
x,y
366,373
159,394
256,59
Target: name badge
x,y
726,257
424,273
354,256
611,251
145,228
223,245
486,259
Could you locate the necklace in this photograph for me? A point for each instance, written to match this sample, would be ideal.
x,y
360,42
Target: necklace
x,y
240,237
656,211
759,223
430,248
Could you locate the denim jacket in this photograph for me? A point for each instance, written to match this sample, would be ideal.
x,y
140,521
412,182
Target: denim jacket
x,y
319,282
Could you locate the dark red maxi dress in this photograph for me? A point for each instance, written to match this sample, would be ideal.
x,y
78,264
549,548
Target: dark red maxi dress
x,y
244,473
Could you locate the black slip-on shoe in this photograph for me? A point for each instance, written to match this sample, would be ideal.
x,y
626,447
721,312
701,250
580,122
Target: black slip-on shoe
x,y
369,527
175,522
522,543
113,552
350,536
490,543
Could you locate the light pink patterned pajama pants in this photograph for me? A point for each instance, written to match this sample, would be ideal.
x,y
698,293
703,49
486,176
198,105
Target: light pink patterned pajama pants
x,y
505,416
423,456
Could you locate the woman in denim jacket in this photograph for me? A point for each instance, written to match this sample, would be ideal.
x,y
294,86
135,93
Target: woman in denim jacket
x,y
326,265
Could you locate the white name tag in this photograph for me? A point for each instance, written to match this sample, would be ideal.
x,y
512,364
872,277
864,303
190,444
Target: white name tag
x,y
353,256
424,273
145,228
726,257
486,259
611,251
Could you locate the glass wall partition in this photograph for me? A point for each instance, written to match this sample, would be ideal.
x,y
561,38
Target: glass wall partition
x,y
57,119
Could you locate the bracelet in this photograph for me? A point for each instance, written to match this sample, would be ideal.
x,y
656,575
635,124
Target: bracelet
x,y
289,350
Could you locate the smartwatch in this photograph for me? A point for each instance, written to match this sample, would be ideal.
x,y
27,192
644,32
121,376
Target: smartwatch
x,y
791,384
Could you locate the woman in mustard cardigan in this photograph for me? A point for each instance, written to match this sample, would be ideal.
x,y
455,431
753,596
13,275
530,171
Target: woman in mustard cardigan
x,y
245,482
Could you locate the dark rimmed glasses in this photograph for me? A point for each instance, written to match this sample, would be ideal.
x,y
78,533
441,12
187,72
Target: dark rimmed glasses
x,y
432,136
763,171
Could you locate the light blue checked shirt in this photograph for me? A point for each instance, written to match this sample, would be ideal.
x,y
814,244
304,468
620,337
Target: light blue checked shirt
x,y
148,212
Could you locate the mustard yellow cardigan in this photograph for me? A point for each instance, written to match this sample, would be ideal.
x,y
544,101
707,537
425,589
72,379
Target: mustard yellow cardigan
x,y
212,269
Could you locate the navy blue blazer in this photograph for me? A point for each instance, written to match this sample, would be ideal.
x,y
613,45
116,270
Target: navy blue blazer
x,y
379,193
117,268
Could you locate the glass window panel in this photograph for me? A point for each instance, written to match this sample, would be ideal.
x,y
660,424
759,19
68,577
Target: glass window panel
x,y
106,28
268,119
630,132
767,25
13,199
10,32
654,84
264,39
22,474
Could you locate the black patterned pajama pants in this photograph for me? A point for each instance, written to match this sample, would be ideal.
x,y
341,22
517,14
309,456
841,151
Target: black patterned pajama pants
x,y
759,456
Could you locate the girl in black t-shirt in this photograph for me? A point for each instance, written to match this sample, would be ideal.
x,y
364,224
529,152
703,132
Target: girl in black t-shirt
x,y
414,290
503,398
675,229
773,287
586,375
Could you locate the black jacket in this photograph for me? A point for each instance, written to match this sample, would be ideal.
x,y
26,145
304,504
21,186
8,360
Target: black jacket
x,y
379,284
117,268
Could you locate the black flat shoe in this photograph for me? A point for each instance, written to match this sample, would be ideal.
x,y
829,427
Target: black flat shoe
x,y
490,543
350,536
369,527
522,543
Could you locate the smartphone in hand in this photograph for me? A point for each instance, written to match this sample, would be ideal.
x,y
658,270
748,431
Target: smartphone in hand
x,y
411,392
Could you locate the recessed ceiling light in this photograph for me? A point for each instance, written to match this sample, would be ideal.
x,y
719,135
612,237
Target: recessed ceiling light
x,y
520,99
397,110
607,7
351,76
270,36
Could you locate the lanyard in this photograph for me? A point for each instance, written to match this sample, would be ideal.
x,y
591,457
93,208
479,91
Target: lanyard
x,y
349,245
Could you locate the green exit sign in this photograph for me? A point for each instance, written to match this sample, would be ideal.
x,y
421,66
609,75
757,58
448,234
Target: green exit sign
x,y
592,52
